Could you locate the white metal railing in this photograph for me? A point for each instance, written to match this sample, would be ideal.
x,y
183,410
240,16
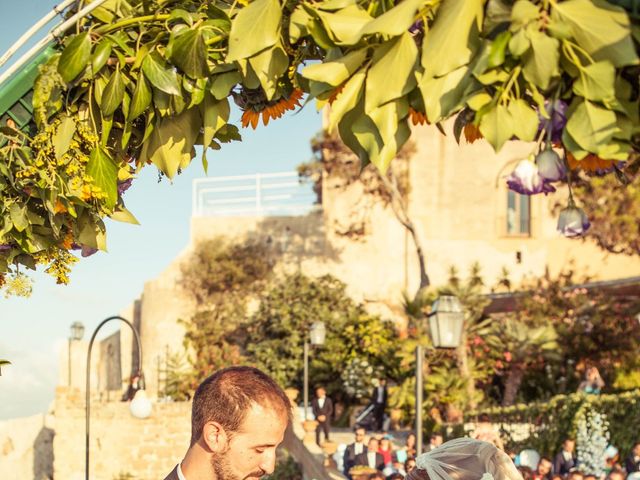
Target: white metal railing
x,y
261,194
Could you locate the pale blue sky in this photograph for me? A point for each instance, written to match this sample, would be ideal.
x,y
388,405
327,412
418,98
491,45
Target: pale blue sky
x,y
33,330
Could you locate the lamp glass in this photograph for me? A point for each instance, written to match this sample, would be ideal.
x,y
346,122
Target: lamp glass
x,y
318,333
77,331
446,322
140,406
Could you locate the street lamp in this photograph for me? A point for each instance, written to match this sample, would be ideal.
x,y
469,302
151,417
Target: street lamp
x,y
446,324
140,406
76,334
317,334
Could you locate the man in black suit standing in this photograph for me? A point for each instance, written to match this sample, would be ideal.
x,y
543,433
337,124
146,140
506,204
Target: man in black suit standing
x,y
322,408
565,460
358,447
371,458
632,462
379,401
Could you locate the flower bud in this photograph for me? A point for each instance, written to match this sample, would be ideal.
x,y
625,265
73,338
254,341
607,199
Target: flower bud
x,y
550,166
573,222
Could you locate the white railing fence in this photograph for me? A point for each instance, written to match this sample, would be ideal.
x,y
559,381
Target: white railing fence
x,y
261,194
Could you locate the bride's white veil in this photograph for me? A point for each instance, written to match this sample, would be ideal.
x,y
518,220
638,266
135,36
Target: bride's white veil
x,y
467,459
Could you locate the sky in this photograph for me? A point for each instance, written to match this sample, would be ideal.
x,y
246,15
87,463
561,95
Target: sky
x,y
33,330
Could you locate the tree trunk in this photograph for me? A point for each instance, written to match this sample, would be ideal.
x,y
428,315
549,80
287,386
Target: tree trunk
x,y
514,379
462,359
401,212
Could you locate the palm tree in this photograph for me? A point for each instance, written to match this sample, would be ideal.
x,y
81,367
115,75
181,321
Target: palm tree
x,y
523,345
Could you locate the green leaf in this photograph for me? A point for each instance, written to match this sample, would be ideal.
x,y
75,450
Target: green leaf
x,y
541,61
269,65
602,29
300,18
476,102
18,217
498,47
497,126
171,142
525,120
523,12
254,28
443,52
344,26
394,21
100,55
590,125
113,93
398,56
393,130
63,136
337,71
141,98
161,76
215,116
124,215
189,53
443,95
92,234
519,43
348,98
104,173
596,82
222,84
75,57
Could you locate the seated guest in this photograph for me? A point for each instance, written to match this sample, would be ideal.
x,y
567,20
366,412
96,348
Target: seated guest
x,y
376,476
543,472
616,474
409,465
590,477
575,475
371,458
565,460
386,450
435,440
526,472
632,463
354,449
395,476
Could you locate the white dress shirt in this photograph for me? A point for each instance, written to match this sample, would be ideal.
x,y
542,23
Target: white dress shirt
x,y
321,402
358,448
371,458
180,474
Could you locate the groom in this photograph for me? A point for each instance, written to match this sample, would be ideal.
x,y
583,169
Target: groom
x,y
239,416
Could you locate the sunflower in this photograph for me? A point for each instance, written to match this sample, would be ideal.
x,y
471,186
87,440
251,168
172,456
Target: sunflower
x,y
472,133
417,117
590,163
273,109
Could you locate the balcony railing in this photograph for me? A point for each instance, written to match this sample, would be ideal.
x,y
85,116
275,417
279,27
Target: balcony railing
x,y
261,194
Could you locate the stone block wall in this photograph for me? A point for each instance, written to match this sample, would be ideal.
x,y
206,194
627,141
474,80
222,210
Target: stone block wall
x,y
119,443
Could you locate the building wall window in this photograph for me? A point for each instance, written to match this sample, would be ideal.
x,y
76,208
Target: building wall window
x,y
518,214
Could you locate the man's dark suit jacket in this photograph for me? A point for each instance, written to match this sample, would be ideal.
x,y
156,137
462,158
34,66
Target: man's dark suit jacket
x,y
326,410
385,395
173,475
363,460
631,465
562,466
349,459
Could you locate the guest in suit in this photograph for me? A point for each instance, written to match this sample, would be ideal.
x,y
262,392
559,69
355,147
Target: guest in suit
x,y
322,408
353,450
565,460
238,419
379,401
632,462
371,458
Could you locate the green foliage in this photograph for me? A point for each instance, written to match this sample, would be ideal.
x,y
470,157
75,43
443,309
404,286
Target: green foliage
x,y
180,381
221,278
276,332
148,81
286,468
555,419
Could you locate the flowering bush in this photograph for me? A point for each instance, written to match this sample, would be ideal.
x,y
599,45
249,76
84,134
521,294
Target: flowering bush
x,y
359,377
592,440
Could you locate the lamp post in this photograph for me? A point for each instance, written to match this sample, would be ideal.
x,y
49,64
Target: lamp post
x,y
446,323
76,334
140,406
317,334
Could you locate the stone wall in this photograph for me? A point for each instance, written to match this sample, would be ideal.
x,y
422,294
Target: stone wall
x,y
26,448
147,449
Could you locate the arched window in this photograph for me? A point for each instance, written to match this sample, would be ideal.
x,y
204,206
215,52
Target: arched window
x,y
518,214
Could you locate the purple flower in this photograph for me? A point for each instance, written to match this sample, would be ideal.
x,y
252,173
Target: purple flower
x,y
416,27
124,186
557,121
526,180
573,222
550,166
88,251
5,247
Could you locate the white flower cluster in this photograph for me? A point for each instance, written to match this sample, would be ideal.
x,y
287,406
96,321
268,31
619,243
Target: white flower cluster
x,y
592,441
359,378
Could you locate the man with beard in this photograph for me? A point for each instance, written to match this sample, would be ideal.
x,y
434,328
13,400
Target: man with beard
x,y
238,418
